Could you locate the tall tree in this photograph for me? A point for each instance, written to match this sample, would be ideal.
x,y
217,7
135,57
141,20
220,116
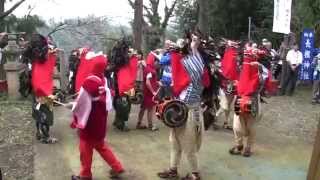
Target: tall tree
x,y
4,13
203,17
137,24
154,26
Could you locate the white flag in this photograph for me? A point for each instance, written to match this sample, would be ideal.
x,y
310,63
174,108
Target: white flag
x,y
282,16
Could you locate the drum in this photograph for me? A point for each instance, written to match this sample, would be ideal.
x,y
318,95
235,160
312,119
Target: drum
x,y
173,113
246,104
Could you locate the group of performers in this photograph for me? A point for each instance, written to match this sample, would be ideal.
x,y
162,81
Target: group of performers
x,y
181,84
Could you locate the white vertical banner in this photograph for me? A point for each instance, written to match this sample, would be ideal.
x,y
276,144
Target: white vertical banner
x,y
282,16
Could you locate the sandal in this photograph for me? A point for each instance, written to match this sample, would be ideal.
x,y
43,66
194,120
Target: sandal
x,y
193,176
170,173
236,150
247,152
115,175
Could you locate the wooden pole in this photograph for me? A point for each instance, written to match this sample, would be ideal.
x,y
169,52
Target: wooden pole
x,y
63,71
314,167
249,30
137,24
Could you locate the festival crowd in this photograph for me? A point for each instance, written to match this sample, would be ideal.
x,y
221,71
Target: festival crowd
x,y
185,84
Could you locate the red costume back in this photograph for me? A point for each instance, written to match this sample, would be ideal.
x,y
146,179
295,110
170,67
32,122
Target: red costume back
x,y
85,69
229,64
127,76
42,76
249,77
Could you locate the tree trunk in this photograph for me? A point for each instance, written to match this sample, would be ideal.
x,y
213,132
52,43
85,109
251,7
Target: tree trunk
x,y
137,24
2,25
203,17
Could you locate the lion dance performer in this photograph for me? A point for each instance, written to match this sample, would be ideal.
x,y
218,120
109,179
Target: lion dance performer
x,y
43,60
248,104
123,71
230,76
188,82
90,112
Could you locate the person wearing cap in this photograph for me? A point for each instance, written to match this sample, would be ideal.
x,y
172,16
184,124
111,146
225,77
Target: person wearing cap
x,y
294,58
166,75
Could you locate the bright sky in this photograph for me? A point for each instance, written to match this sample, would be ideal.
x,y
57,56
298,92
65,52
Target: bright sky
x,y
118,10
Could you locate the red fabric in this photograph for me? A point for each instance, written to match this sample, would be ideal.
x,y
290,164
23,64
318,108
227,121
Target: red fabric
x,y
86,68
249,77
229,64
127,76
99,66
180,76
3,86
244,101
206,82
86,151
42,76
271,86
83,71
97,123
148,96
150,59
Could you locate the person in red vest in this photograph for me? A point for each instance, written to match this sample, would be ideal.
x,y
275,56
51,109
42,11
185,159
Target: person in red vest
x,y
189,77
248,102
43,60
229,71
90,112
123,67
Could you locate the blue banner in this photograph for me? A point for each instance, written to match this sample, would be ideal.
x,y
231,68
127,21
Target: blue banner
x,y
307,49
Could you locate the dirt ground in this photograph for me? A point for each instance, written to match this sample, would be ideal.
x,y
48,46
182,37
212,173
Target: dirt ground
x,y
283,150
16,140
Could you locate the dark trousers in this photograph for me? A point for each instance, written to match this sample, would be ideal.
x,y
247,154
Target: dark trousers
x,y
122,107
44,119
290,81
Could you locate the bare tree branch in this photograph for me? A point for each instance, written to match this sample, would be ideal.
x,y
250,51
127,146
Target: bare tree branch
x,y
148,11
131,3
31,8
9,11
59,27
168,14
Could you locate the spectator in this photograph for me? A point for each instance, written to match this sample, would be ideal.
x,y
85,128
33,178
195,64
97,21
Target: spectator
x,y
294,59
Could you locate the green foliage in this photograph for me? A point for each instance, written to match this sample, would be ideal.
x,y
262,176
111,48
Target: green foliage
x,y
28,24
